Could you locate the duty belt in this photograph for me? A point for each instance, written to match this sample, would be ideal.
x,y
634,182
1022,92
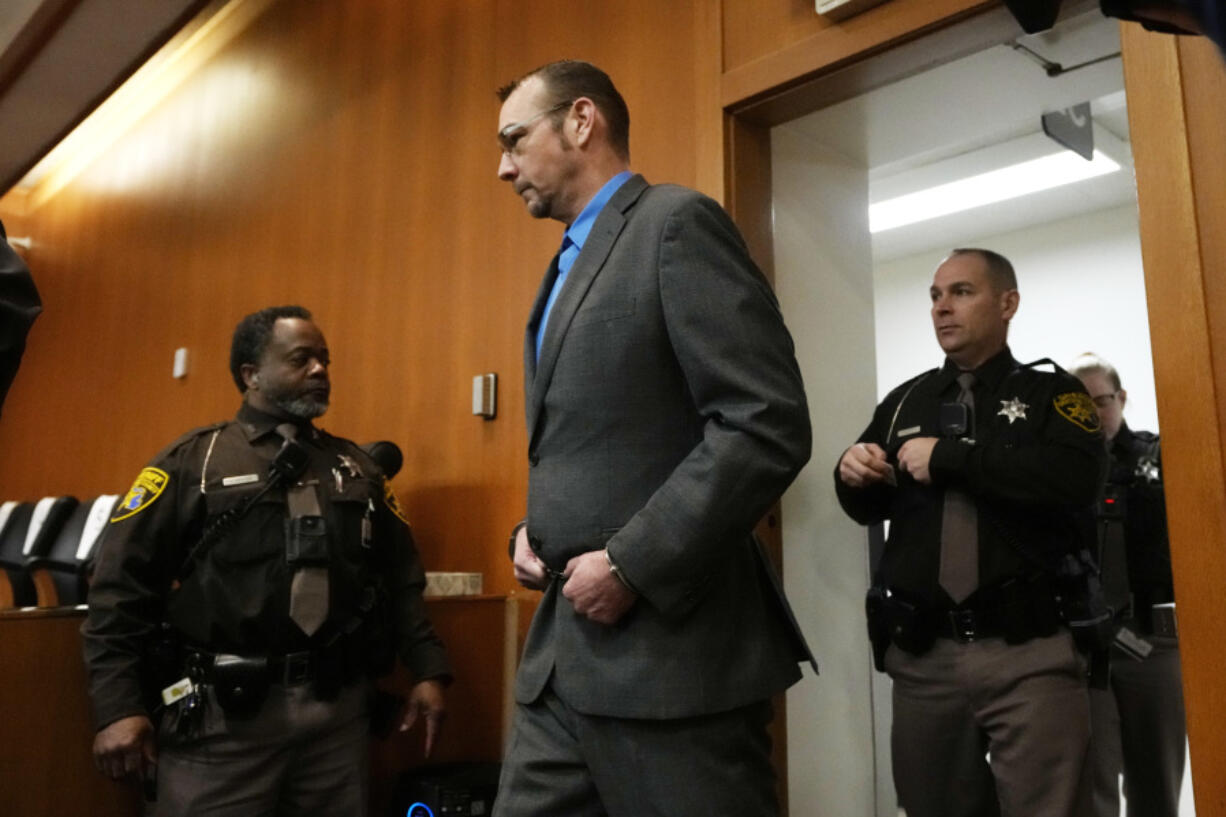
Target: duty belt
x,y
290,669
966,625
1016,614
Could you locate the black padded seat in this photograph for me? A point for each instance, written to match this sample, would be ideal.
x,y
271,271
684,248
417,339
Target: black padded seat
x,y
27,530
61,572
18,590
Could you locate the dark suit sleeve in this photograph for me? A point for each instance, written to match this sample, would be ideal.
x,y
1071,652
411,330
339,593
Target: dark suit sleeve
x,y
19,306
1063,466
127,597
739,366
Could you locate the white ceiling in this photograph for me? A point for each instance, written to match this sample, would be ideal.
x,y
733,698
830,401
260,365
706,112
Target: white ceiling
x,y
60,58
980,112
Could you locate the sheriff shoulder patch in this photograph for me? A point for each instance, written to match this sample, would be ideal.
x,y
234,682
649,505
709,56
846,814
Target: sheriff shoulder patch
x,y
393,504
148,486
1078,409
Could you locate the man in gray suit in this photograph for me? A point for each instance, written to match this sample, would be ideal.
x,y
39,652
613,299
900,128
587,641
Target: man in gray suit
x,y
665,415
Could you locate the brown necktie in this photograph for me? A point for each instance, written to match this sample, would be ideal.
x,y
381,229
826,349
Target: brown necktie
x,y
959,572
308,594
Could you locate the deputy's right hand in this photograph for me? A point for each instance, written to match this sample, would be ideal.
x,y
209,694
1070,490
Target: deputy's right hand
x,y
865,464
126,748
529,569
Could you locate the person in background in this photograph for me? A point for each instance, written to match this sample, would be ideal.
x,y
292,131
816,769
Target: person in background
x,y
255,577
1138,722
987,470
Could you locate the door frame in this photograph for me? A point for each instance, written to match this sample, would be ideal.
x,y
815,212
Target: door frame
x,y
1176,90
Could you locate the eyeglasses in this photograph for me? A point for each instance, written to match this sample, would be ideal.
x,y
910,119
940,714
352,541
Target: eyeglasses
x,y
509,136
1104,400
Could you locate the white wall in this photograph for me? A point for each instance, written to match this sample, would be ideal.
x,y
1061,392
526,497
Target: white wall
x,y
1082,289
823,263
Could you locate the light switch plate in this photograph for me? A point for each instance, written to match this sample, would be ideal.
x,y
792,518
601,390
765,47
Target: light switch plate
x,y
179,370
485,395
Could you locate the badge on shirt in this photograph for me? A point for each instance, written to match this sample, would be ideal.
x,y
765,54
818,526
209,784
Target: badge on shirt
x,y
393,504
1147,469
148,486
1014,409
1078,409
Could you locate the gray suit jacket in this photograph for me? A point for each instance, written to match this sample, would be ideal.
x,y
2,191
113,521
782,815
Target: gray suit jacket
x,y
665,415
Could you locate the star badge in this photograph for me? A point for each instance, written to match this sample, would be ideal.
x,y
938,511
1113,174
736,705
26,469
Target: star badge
x,y
1014,409
1147,469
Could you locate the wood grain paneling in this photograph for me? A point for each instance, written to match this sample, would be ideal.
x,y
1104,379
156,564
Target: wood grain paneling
x,y
754,29
770,46
338,155
1177,114
46,768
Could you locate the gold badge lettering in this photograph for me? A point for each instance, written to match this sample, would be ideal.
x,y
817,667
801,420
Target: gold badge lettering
x,y
1078,409
148,486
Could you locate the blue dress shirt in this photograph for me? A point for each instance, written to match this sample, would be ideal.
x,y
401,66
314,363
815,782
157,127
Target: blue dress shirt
x,y
572,244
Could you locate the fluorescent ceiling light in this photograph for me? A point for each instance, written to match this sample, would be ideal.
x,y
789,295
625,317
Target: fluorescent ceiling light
x,y
1010,182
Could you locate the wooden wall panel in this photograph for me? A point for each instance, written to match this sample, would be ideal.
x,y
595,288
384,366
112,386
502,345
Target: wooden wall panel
x,y
1177,114
342,156
758,28
769,45
46,765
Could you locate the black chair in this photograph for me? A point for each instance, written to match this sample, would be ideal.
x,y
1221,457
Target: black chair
x,y
60,574
16,589
27,531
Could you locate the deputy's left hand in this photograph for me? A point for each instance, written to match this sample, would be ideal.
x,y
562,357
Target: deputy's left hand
x,y
914,456
426,699
593,589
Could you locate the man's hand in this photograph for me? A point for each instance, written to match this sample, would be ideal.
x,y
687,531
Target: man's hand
x,y
427,700
865,464
529,570
914,456
126,748
593,589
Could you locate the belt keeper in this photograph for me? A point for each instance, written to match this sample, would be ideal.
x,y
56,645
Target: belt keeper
x,y
617,571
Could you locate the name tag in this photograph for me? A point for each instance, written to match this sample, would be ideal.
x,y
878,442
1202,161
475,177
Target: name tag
x,y
245,479
907,432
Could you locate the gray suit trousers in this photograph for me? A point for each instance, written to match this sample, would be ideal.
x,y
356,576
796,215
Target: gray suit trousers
x,y
563,763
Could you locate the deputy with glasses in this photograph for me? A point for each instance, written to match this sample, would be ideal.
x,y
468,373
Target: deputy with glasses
x,y
665,414
1138,723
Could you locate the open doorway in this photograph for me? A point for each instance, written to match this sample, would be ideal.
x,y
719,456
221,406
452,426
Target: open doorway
x,y
855,295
